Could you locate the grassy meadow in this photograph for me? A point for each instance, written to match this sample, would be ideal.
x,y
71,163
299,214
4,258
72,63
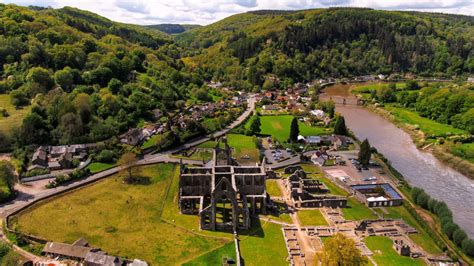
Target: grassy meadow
x,y
7,124
134,221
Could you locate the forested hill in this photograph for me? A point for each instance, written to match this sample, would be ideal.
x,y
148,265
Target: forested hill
x,y
85,77
337,42
173,28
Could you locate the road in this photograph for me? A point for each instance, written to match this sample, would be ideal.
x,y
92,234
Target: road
x,y
31,196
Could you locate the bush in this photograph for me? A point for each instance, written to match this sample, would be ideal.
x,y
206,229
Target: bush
x,y
105,156
468,247
458,237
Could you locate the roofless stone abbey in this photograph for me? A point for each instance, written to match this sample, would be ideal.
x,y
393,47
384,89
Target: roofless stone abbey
x,y
224,194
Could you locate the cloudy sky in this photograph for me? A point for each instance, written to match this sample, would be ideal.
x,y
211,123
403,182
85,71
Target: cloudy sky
x,y
207,11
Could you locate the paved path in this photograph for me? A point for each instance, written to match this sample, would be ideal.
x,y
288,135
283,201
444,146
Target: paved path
x,y
25,199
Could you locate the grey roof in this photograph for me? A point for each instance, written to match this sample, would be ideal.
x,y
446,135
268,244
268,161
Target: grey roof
x,y
99,258
67,250
389,190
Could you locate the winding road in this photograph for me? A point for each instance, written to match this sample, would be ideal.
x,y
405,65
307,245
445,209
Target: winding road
x,y
27,198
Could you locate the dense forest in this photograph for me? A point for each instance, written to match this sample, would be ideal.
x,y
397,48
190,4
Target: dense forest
x,y
246,49
86,77
173,28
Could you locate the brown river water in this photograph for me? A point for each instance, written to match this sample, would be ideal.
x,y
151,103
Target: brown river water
x,y
419,168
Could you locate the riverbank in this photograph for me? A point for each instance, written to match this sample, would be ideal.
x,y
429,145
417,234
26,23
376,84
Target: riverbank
x,y
419,139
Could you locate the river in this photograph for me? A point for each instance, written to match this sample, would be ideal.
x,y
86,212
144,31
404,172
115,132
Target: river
x,y
419,168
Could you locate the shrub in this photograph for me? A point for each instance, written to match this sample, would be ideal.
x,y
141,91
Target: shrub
x,y
458,237
105,156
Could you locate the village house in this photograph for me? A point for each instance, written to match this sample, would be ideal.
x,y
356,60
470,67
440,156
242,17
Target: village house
x,y
271,107
40,157
132,137
58,157
319,114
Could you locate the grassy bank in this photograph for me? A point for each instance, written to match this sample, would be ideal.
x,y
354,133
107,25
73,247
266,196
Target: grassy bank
x,y
445,153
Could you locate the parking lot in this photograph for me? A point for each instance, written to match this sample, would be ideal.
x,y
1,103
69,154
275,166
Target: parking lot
x,y
277,155
352,173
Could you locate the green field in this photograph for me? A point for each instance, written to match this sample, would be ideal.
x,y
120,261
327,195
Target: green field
x,y
243,146
377,86
311,218
426,125
422,238
7,124
99,167
357,211
273,188
134,221
384,254
215,257
263,245
279,127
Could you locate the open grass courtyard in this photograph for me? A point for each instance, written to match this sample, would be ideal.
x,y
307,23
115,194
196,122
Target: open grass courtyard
x,y
126,220
311,218
384,254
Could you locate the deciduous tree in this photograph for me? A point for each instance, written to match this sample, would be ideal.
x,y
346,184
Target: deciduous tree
x,y
340,250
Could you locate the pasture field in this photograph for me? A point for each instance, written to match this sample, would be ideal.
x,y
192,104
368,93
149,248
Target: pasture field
x,y
126,220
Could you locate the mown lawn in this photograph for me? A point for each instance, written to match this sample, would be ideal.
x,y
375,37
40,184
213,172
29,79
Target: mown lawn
x,y
384,254
7,124
311,218
99,167
125,220
421,238
243,146
357,211
426,125
279,127
273,188
263,245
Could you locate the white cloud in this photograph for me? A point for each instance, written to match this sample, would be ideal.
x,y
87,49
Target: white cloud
x,y
208,11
